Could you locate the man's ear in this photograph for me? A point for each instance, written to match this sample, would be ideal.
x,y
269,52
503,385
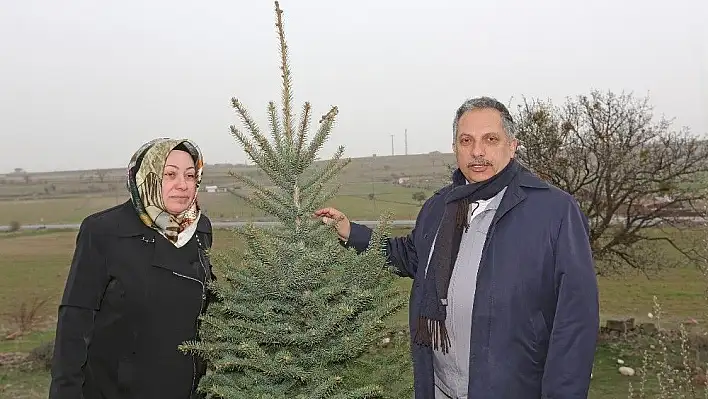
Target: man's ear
x,y
514,147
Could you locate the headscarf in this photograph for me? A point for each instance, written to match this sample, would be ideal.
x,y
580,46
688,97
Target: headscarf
x,y
145,172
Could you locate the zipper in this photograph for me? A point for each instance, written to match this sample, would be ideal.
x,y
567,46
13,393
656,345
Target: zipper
x,y
201,309
190,278
206,279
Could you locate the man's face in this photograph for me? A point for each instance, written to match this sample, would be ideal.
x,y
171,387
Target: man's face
x,y
482,147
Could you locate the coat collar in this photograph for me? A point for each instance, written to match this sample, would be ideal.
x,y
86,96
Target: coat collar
x,y
525,178
515,193
129,223
528,179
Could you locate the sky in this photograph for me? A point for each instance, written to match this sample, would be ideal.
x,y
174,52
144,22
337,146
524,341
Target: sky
x,y
84,83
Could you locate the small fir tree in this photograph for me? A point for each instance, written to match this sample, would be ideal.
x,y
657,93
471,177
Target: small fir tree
x,y
295,308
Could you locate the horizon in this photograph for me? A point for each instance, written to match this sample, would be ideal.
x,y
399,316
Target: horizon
x,y
218,164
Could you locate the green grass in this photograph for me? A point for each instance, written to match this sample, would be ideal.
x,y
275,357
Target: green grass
x,y
52,211
389,367
218,206
34,265
16,383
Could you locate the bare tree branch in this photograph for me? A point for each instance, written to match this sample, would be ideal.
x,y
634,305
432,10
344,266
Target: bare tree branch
x,y
629,171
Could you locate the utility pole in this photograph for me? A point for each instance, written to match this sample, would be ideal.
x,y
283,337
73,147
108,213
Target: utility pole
x,y
392,152
373,182
406,140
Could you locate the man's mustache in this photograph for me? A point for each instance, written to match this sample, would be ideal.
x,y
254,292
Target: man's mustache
x,y
478,162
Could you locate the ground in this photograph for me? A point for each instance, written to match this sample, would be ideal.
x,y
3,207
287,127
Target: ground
x,y
34,266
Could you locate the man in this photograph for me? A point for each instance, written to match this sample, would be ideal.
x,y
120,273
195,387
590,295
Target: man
x,y
504,303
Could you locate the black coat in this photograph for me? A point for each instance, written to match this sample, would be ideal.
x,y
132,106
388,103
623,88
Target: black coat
x,y
131,298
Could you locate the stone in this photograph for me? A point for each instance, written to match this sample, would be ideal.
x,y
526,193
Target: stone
x,y
649,328
622,326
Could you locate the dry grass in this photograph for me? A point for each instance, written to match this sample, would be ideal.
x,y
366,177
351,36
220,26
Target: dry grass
x,y
35,265
67,197
54,211
219,206
681,291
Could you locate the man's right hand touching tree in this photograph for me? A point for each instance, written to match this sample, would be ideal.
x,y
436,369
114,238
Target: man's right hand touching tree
x,y
334,216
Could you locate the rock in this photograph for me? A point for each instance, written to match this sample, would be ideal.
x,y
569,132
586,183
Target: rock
x,y
620,361
620,325
649,328
700,378
626,371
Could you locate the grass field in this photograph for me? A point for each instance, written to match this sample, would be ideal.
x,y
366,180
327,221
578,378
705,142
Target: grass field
x,y
67,197
218,206
34,265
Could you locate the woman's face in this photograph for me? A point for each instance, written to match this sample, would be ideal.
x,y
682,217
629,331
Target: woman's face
x,y
179,182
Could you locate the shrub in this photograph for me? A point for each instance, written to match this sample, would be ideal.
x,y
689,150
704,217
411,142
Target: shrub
x,y
15,226
41,356
668,364
26,316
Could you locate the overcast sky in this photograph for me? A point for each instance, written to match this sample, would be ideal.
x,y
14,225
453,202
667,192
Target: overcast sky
x,y
83,83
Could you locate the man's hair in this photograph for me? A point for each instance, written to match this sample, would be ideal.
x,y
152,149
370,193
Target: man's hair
x,y
481,103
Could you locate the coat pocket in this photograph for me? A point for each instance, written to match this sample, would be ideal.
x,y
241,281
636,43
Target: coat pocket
x,y
541,336
125,375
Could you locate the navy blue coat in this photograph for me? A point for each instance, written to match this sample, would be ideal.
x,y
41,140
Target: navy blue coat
x,y
536,314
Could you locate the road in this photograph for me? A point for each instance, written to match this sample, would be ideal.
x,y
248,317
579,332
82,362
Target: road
x,y
215,224
370,223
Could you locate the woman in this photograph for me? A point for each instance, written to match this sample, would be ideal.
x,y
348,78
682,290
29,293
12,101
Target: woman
x,y
137,285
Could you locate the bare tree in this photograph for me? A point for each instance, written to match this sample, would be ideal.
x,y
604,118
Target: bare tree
x,y
633,176
101,174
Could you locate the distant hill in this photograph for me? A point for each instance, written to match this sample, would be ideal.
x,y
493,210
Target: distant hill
x,y
416,170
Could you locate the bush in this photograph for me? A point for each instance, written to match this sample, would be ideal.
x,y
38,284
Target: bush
x,y
26,316
15,226
41,356
671,365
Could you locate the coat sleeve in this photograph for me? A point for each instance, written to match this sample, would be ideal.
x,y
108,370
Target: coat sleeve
x,y
401,251
82,296
573,339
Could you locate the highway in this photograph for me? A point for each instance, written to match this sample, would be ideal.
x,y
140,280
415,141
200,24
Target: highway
x,y
370,223
215,224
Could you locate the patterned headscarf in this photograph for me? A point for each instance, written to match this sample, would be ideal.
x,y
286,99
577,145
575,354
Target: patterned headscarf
x,y
145,172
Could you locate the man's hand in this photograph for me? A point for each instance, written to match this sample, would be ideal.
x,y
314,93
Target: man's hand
x,y
340,220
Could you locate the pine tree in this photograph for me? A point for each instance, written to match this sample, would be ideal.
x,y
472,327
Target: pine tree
x,y
296,307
